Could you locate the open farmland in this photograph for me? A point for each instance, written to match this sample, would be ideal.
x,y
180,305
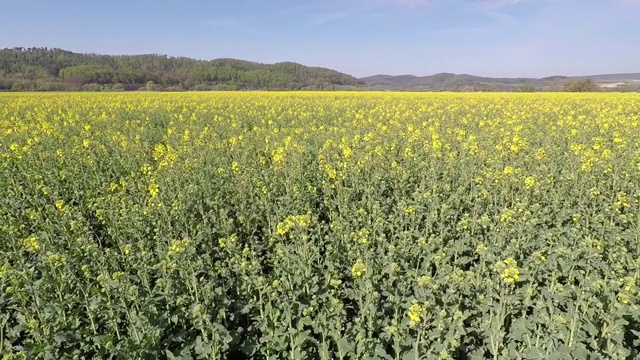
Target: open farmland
x,y
320,226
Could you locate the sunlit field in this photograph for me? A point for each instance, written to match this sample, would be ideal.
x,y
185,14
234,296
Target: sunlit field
x,y
325,225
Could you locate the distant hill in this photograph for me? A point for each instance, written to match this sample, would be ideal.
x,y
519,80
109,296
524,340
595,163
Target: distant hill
x,y
613,77
449,81
443,81
42,69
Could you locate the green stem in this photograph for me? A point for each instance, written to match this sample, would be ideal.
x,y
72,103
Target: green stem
x,y
4,323
417,345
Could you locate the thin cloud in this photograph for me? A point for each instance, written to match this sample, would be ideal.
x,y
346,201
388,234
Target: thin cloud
x,y
323,18
463,30
396,3
298,9
222,22
409,3
502,18
494,4
329,12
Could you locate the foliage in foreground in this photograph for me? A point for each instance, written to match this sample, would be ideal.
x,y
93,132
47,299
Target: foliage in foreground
x,y
328,226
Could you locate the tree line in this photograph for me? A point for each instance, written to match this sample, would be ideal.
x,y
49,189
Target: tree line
x,y
43,69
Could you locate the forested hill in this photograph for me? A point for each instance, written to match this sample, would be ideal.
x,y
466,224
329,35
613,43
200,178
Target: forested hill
x,y
42,69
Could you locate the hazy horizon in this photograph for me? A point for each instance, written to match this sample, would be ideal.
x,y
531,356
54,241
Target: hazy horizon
x,y
492,38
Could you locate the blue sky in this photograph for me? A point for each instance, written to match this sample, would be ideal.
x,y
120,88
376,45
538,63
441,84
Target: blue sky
x,y
361,37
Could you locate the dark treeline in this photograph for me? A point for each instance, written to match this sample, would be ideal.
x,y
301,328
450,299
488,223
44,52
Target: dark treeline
x,y
43,69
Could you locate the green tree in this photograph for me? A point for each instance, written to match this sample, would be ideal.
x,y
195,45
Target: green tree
x,y
42,66
527,88
581,85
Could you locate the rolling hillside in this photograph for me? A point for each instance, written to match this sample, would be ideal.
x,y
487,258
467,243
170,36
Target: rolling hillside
x,y
42,69
449,81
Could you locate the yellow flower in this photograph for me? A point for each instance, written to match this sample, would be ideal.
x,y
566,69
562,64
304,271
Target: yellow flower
x,y
278,155
482,249
624,298
359,269
116,276
424,281
146,169
362,236
276,285
154,189
409,210
390,329
59,205
332,174
31,244
308,311
415,313
539,257
228,241
508,270
158,152
282,228
177,247
510,262
126,249
623,201
56,259
303,221
530,182
507,215
408,152
509,170
510,276
293,221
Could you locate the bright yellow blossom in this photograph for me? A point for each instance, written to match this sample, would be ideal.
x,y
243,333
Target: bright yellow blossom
x,y
359,269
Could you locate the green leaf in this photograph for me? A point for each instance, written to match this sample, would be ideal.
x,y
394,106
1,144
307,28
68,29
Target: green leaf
x,y
169,355
590,329
345,346
60,337
409,355
534,353
381,352
580,352
201,348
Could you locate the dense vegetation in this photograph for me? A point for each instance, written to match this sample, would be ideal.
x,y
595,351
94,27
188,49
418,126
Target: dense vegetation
x,y
319,226
42,69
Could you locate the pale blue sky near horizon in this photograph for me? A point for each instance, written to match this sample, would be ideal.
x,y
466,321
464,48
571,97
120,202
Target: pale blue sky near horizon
x,y
507,38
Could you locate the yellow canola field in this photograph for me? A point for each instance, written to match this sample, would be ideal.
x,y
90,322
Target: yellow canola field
x,y
320,225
